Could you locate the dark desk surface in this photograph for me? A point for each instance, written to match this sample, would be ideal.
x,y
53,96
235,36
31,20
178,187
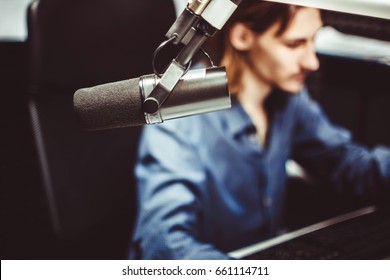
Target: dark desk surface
x,y
361,234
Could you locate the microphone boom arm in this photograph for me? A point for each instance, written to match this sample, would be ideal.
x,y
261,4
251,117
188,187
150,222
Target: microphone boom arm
x,y
199,21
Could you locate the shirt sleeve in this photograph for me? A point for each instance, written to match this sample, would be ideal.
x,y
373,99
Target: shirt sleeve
x,y
327,151
171,181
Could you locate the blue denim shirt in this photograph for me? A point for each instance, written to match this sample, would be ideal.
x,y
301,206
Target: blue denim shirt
x,y
206,186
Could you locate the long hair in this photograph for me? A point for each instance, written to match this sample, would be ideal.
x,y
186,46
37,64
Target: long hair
x,y
257,15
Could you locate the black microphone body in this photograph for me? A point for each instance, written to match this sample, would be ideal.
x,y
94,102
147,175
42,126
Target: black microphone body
x,y
120,104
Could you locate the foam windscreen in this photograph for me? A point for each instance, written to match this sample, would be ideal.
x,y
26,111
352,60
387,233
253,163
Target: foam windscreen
x,y
111,105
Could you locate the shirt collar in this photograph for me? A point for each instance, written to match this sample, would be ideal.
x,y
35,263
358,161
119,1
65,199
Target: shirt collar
x,y
237,120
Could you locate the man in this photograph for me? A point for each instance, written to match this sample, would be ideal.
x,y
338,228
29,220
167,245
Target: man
x,y
213,183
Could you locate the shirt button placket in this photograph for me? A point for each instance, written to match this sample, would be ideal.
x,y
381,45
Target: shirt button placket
x,y
267,202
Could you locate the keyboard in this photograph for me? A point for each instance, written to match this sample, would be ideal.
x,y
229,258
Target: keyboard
x,y
363,234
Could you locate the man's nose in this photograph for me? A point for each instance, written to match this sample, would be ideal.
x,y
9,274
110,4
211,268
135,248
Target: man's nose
x,y
310,60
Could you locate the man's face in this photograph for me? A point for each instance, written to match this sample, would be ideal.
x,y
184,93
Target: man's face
x,y
284,61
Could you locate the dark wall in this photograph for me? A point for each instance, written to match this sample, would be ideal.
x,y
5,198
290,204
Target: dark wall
x,y
356,94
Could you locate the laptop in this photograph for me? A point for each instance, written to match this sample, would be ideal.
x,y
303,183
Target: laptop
x,y
360,234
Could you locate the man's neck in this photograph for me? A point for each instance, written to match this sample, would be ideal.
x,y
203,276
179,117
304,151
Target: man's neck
x,y
254,92
252,98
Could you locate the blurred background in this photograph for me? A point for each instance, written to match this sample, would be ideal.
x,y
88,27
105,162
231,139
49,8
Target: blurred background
x,y
69,194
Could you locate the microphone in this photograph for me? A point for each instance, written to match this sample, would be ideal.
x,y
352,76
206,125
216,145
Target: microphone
x,y
120,104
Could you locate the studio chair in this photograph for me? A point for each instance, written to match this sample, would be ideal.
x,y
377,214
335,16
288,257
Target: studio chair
x,y
88,176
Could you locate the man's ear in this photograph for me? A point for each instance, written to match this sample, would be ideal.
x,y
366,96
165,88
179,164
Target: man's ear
x,y
241,37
